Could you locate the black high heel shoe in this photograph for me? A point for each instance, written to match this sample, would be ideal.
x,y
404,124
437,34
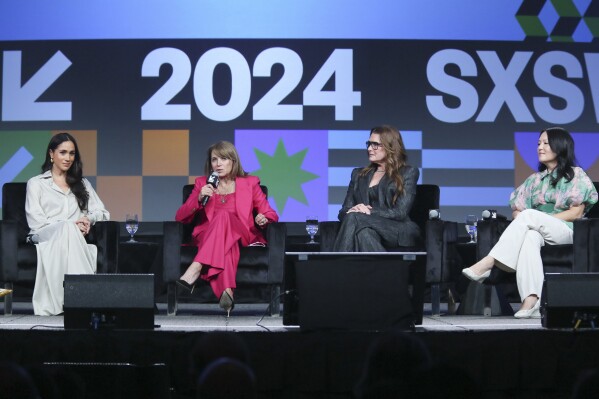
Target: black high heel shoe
x,y
186,285
226,302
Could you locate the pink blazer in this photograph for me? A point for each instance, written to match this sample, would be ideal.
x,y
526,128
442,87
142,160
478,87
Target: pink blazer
x,y
248,198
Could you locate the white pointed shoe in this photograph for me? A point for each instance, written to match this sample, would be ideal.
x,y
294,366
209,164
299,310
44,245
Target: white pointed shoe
x,y
533,313
479,278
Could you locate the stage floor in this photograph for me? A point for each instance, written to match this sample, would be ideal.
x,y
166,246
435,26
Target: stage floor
x,y
252,318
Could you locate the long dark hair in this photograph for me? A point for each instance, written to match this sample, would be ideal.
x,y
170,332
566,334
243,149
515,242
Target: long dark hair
x,y
395,159
75,173
562,144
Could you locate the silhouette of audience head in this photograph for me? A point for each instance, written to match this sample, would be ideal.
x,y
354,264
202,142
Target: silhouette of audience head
x,y
214,345
587,385
226,378
451,381
393,360
16,383
210,347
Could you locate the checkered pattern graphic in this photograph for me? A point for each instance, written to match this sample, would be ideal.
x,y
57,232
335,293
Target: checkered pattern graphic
x,y
560,20
307,171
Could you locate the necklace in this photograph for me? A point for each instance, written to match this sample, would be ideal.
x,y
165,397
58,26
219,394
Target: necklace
x,y
380,171
223,198
226,191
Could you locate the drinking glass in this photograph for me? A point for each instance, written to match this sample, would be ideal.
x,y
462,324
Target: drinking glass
x,y
471,227
312,228
131,224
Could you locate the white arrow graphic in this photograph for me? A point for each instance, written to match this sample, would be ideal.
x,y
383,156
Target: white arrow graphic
x,y
19,102
14,166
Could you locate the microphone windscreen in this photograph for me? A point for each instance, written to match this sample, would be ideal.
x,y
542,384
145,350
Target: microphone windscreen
x,y
213,179
434,214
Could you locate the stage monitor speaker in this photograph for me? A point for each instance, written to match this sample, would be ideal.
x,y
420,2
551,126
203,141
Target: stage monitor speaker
x,y
570,298
346,293
100,301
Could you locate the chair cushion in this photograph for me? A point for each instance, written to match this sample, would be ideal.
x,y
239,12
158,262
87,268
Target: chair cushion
x,y
252,267
13,207
427,198
27,261
558,255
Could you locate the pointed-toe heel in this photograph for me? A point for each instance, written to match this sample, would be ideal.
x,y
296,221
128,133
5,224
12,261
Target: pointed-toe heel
x,y
533,313
226,302
4,292
479,278
186,285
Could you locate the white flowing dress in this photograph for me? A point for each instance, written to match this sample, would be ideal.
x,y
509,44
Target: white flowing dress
x,y
61,247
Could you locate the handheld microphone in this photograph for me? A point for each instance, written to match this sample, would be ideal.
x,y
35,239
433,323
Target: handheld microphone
x,y
492,214
213,180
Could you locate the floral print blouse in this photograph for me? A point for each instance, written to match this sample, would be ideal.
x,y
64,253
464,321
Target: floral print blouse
x,y
537,193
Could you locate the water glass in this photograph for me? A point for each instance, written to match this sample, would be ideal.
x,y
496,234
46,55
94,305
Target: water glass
x,y
131,224
471,221
312,228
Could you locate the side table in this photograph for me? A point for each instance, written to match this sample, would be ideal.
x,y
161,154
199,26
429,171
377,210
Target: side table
x,y
137,257
476,294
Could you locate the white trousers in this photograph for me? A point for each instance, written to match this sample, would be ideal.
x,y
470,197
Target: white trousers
x,y
61,250
519,248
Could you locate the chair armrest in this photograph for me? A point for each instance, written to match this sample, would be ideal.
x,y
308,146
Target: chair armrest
x,y
328,233
8,250
171,245
441,256
107,242
488,233
276,236
586,246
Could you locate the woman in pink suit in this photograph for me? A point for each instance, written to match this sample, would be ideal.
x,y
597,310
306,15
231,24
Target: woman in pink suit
x,y
224,223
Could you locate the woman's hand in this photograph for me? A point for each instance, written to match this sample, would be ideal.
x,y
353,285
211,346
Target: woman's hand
x,y
261,220
360,208
84,225
207,190
570,215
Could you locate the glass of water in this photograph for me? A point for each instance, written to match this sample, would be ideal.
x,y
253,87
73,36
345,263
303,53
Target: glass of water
x,y
471,221
312,228
131,224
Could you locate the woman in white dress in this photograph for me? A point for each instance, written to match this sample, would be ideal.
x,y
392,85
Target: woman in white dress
x,y
61,206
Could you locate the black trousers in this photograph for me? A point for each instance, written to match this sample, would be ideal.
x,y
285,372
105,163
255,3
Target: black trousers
x,y
360,232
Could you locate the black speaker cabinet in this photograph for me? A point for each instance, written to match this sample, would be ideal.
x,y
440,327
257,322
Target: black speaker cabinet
x,y
353,293
98,301
568,298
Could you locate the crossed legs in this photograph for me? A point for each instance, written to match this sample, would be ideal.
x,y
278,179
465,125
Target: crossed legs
x,y
519,250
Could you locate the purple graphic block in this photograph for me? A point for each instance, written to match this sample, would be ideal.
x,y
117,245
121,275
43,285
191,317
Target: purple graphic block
x,y
315,161
585,148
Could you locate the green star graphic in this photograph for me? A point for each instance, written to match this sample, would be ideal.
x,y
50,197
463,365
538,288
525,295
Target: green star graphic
x,y
283,175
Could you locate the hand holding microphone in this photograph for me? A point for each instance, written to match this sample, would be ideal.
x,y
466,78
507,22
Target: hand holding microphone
x,y
212,180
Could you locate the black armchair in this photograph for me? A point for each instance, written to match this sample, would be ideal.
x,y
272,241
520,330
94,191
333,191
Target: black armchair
x,y
259,267
582,256
18,259
432,232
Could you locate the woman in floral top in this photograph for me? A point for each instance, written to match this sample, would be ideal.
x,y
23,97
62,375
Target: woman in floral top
x,y
544,207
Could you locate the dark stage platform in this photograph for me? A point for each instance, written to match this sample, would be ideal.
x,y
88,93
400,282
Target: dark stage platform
x,y
508,357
